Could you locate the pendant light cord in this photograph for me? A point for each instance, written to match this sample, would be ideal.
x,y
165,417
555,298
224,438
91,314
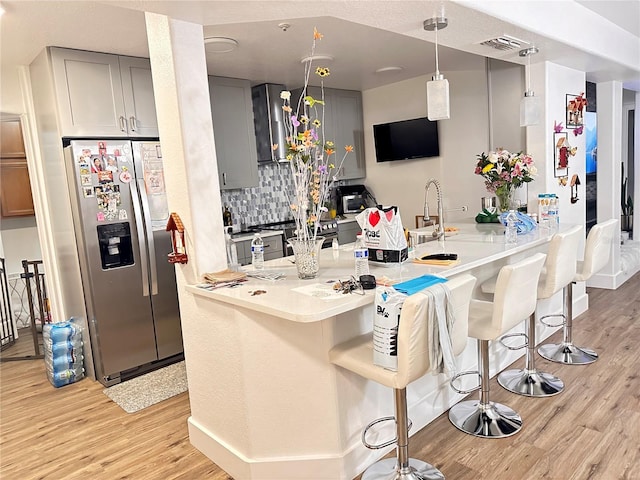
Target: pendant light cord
x,y
528,72
437,68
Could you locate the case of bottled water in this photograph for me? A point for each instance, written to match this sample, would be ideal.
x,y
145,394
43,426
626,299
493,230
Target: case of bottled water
x,y
63,356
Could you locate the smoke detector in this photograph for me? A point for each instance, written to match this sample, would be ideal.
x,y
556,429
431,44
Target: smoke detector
x,y
505,42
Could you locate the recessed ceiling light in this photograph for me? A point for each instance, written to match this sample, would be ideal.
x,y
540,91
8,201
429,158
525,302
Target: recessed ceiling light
x,y
317,58
220,44
389,69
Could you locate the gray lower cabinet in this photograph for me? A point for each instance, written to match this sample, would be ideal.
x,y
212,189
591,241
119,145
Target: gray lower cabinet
x,y
103,95
344,125
273,248
233,131
347,231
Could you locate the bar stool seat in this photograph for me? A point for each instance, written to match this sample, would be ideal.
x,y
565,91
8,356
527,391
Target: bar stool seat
x,y
414,346
558,270
514,300
596,255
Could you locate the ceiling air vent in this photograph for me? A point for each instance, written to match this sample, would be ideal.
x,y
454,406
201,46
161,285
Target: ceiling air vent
x,y
505,42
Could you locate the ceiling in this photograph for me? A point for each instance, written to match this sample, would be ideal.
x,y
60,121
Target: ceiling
x,y
624,14
362,36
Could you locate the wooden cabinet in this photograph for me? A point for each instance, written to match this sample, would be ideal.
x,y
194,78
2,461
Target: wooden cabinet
x,y
344,125
234,134
15,187
100,94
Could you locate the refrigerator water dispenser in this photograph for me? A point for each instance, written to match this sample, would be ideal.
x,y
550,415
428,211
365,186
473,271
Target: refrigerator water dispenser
x,y
115,245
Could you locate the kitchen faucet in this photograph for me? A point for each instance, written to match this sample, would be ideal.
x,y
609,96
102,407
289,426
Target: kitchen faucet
x,y
439,232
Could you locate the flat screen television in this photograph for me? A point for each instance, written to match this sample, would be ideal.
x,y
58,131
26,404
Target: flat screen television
x,y
407,139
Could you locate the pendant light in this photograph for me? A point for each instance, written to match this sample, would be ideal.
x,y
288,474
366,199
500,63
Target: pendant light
x,y
438,87
529,107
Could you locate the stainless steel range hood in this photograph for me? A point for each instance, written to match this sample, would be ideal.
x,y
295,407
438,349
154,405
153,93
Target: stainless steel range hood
x,y
268,121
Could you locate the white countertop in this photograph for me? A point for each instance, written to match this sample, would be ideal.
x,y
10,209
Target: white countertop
x,y
241,237
348,217
475,244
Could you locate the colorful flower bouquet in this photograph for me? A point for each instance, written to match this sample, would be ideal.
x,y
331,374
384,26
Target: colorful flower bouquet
x,y
503,172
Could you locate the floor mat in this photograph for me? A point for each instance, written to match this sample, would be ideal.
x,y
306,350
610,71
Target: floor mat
x,y
149,389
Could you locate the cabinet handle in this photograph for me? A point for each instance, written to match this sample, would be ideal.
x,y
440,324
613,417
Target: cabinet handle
x,y
123,124
132,123
224,178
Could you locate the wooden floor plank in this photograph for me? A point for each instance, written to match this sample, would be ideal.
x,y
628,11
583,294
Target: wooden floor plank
x,y
591,431
580,434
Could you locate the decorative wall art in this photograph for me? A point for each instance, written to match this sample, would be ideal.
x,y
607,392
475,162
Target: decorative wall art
x,y
575,110
575,182
563,150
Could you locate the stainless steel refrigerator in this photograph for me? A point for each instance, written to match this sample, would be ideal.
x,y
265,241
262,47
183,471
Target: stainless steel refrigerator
x,y
120,212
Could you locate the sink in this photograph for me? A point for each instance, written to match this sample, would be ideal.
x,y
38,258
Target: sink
x,y
421,235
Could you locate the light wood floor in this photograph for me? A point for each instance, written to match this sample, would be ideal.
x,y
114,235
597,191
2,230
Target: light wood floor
x,y
23,347
589,432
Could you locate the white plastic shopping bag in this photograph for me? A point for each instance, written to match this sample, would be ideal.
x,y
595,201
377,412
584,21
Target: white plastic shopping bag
x,y
383,234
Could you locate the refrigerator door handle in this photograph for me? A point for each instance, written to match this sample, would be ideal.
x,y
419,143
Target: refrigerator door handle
x,y
149,233
135,200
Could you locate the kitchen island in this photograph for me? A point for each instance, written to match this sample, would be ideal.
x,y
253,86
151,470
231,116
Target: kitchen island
x,y
266,403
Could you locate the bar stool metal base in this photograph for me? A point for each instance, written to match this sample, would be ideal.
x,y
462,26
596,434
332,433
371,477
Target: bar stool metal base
x,y
567,353
387,469
530,383
492,420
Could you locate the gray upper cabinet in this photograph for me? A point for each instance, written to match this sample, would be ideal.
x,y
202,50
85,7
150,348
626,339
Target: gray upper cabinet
x,y
233,131
343,124
100,94
349,130
139,102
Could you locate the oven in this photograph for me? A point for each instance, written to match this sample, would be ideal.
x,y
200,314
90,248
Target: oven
x,y
328,229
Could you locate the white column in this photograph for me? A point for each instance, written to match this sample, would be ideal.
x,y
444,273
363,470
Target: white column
x,y
609,121
178,66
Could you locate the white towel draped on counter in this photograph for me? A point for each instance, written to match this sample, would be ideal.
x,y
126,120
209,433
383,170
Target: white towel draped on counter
x,y
440,323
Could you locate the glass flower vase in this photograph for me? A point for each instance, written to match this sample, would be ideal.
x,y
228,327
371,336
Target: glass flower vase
x,y
307,256
505,198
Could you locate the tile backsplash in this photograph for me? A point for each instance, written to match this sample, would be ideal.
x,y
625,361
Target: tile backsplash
x,y
266,203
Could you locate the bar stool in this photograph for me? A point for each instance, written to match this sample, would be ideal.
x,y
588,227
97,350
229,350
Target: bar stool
x,y
559,269
596,255
514,300
414,340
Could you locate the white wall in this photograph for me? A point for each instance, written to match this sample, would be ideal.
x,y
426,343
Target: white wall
x,y
10,96
462,137
506,88
18,235
554,82
19,242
